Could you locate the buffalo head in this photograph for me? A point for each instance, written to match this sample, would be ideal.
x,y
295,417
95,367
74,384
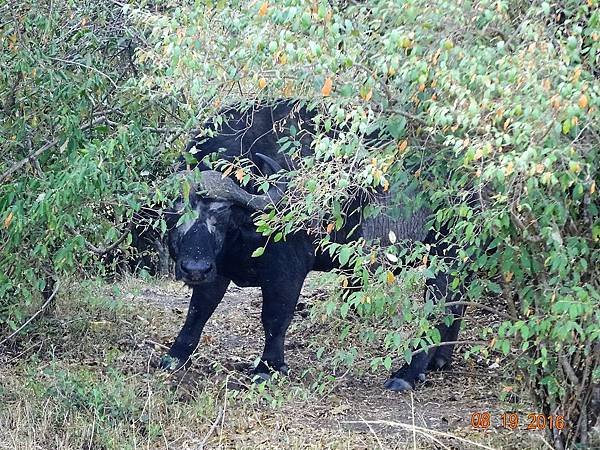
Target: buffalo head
x,y
196,245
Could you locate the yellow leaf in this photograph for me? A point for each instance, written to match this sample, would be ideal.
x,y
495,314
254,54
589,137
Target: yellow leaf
x,y
227,171
402,146
345,282
263,9
390,277
546,177
330,227
576,75
262,83
282,58
574,167
593,187
583,101
327,86
510,168
366,97
508,276
478,153
546,84
8,220
239,174
377,176
386,185
539,168
574,120
421,87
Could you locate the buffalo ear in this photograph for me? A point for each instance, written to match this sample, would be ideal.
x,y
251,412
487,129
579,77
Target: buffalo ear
x,y
268,166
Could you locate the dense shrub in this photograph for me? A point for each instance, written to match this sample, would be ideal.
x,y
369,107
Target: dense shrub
x,y
497,101
79,144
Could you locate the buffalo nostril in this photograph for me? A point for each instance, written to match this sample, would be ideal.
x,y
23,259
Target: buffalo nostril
x,y
196,267
207,268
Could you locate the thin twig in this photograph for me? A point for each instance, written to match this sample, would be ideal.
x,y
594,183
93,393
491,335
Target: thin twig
x,y
65,61
412,410
408,115
224,408
104,250
33,155
484,307
212,429
443,344
157,344
424,431
39,311
373,433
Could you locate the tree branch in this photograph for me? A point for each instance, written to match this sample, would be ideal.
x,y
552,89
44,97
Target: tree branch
x,y
443,344
39,311
484,307
33,155
104,250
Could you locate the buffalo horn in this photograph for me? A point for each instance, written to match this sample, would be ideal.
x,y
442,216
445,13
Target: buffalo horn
x,y
214,185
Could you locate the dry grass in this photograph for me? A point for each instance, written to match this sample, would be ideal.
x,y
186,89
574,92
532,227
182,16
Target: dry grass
x,y
84,379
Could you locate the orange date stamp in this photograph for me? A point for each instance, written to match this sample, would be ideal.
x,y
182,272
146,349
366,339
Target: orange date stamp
x,y
511,421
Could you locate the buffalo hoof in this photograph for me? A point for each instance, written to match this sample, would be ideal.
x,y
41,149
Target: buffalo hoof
x,y
171,363
261,377
264,373
397,385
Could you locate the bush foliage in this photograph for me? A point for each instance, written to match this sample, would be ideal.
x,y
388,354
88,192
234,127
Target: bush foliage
x,y
497,100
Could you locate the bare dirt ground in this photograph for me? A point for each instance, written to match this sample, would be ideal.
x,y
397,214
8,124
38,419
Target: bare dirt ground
x,y
85,379
356,402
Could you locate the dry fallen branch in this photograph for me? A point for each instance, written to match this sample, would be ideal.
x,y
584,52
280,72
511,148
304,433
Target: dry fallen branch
x,y
212,429
427,432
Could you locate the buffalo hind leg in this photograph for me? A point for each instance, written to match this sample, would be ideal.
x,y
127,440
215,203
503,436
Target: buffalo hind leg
x,y
279,302
203,303
437,357
443,355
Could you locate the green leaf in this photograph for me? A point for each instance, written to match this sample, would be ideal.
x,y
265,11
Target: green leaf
x,y
344,255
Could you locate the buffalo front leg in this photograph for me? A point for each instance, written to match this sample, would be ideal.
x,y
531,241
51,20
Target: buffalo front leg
x,y
279,302
437,357
205,299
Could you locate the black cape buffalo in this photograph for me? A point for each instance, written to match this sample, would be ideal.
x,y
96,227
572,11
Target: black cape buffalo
x,y
216,248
